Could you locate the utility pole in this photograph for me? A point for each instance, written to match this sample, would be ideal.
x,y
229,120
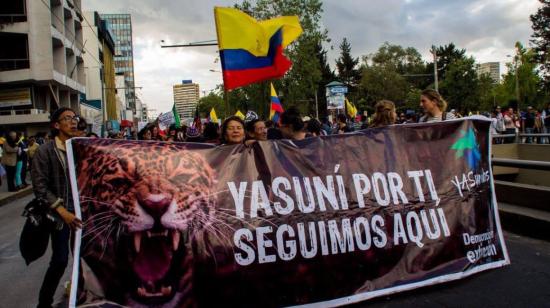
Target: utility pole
x,y
433,51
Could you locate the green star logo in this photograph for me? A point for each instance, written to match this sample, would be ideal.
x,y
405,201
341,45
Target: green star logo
x,y
466,146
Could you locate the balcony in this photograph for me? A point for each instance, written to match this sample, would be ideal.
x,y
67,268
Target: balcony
x,y
24,116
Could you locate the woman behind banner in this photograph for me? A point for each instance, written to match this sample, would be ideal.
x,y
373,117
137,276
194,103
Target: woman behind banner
x,y
434,107
384,114
232,131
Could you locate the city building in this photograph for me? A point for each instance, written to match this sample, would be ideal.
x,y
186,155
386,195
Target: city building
x,y
490,68
99,103
41,62
121,100
121,26
144,113
186,98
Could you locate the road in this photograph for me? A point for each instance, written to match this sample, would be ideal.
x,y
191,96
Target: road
x,y
525,283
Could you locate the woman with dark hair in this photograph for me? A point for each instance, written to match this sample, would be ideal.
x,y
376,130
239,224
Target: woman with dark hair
x,y
314,128
434,107
384,114
232,131
92,135
145,133
292,125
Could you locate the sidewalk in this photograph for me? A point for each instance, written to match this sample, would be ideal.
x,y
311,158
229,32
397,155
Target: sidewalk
x,y
7,197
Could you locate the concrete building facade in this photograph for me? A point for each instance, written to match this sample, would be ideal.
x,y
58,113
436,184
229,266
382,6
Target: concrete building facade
x,y
186,98
41,61
490,68
99,103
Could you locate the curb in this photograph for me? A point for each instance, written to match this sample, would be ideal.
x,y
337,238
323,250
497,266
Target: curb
x,y
16,195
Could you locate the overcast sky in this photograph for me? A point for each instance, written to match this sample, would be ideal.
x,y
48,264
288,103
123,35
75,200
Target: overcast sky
x,y
487,29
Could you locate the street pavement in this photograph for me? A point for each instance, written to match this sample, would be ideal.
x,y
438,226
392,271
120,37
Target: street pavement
x,y
525,283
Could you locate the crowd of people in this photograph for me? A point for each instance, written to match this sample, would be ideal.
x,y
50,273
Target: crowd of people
x,y
45,155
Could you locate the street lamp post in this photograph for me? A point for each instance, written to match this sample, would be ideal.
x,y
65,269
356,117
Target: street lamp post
x,y
516,78
434,53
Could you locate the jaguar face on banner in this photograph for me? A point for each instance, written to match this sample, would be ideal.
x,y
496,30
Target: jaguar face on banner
x,y
330,220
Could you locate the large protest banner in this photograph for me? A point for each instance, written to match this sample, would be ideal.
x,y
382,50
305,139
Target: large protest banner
x,y
330,220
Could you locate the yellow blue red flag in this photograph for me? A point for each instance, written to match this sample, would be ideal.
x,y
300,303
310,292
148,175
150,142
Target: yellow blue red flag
x,y
251,50
276,108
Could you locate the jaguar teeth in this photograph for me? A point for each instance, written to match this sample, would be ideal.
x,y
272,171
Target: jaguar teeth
x,y
175,239
137,241
166,290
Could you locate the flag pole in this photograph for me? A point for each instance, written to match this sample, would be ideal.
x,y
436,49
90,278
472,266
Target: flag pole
x,y
225,92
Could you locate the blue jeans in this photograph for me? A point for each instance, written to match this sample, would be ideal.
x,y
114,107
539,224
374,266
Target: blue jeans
x,y
56,269
18,170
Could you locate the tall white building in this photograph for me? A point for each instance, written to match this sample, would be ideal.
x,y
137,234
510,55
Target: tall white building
x,y
99,66
41,63
186,98
490,68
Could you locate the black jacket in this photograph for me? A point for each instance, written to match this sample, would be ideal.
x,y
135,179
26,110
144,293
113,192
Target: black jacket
x,y
50,178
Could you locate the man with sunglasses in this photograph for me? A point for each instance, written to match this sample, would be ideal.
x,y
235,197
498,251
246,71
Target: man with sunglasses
x,y
50,180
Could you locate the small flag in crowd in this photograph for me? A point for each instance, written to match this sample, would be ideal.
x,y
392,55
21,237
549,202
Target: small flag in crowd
x,y
177,120
250,116
352,111
251,50
276,108
240,114
213,116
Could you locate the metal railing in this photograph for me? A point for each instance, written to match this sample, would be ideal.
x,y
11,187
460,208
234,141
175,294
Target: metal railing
x,y
523,137
520,163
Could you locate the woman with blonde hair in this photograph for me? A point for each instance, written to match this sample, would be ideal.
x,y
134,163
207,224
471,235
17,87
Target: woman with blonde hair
x,y
384,114
434,107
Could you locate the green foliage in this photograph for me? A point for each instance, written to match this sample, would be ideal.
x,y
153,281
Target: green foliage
x,y
541,40
390,73
327,76
346,66
212,100
446,55
379,83
460,85
528,80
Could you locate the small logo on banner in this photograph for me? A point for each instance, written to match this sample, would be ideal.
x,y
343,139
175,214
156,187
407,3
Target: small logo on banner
x,y
466,146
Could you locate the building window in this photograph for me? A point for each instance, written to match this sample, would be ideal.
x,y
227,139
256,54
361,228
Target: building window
x,y
14,55
13,11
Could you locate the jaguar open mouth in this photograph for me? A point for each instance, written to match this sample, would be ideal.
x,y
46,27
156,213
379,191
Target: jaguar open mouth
x,y
156,262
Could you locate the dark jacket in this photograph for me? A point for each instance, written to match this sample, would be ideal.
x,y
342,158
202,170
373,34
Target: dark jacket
x,y
50,178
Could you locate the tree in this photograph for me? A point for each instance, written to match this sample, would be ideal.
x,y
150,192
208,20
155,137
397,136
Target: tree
x,y
390,73
212,100
460,85
327,76
541,40
346,66
379,82
445,56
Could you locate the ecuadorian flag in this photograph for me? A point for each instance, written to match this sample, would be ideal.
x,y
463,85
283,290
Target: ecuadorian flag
x,y
251,50
276,108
